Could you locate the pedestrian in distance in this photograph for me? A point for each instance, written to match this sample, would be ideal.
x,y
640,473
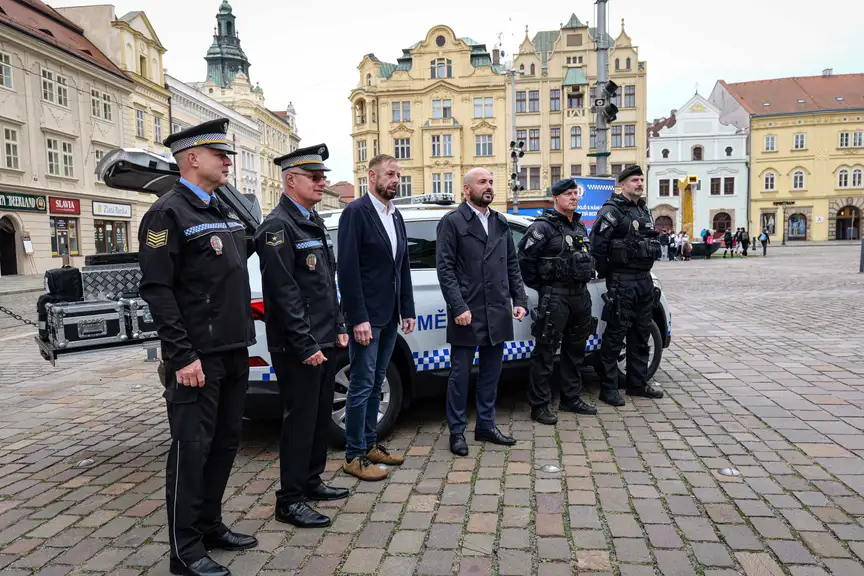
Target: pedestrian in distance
x,y
193,253
728,243
556,262
745,242
764,239
709,244
664,245
478,272
673,245
374,263
304,325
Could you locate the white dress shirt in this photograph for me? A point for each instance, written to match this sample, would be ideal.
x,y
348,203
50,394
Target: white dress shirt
x,y
385,212
484,217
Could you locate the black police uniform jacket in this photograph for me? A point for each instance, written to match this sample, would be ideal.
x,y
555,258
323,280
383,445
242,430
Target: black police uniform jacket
x,y
478,273
194,276
545,238
298,277
614,225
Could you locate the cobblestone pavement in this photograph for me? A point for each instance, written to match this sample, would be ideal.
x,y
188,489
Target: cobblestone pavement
x,y
764,374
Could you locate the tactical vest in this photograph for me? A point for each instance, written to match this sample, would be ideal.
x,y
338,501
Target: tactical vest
x,y
572,264
640,246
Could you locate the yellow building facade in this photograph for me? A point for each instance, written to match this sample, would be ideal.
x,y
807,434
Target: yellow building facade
x,y
556,73
807,154
440,110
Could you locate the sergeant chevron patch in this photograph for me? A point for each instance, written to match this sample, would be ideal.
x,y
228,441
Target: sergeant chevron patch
x,y
275,238
157,239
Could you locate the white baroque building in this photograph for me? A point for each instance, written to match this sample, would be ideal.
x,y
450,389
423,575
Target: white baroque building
x,y
189,107
693,142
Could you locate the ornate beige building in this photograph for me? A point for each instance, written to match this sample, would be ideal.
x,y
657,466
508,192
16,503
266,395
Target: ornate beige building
x,y
441,110
556,73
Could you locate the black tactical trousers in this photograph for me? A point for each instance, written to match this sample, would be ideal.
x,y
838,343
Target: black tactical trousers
x,y
636,297
569,324
205,434
307,401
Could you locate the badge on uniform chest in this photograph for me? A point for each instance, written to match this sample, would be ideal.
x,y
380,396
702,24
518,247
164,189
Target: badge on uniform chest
x,y
636,225
216,244
311,261
569,240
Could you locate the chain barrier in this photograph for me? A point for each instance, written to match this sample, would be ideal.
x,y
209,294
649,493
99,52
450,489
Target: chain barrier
x,y
18,317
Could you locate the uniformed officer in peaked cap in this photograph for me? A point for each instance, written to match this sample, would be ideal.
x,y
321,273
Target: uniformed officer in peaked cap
x,y
304,325
625,245
193,260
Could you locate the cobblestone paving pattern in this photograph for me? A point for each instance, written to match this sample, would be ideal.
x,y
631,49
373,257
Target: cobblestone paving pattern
x,y
764,374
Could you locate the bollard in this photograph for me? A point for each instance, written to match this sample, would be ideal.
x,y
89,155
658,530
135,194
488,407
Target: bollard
x,y
151,355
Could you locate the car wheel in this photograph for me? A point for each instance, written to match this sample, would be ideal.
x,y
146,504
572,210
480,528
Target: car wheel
x,y
655,353
388,408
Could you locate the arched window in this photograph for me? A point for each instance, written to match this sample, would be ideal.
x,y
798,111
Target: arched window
x,y
360,112
848,223
576,137
532,70
856,178
368,79
843,178
663,223
722,222
229,28
798,180
665,153
521,68
628,63
770,180
617,63
797,227
728,151
698,153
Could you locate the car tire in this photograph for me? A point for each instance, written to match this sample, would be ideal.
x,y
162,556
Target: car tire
x,y
392,389
655,341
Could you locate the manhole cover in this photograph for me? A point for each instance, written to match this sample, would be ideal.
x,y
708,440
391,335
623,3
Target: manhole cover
x,y
730,472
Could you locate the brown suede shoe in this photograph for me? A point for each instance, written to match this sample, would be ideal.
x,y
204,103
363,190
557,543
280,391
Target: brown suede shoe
x,y
365,470
380,455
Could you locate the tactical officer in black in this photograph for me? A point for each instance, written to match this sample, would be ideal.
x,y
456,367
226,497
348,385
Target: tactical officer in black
x,y
193,261
625,245
556,262
304,324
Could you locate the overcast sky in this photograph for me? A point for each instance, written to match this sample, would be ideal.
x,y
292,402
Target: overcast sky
x,y
307,53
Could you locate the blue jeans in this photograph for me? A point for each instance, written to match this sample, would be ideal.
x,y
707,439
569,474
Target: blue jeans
x,y
368,369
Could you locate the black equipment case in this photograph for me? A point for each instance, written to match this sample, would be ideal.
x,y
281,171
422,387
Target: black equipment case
x,y
72,325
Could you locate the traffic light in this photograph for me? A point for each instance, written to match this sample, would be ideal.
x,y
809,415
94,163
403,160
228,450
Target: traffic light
x,y
517,151
609,109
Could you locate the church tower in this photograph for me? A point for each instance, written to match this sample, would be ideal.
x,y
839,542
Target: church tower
x,y
225,58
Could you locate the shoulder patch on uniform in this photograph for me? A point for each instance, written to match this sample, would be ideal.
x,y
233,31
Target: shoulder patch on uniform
x,y
612,220
604,225
157,239
275,238
529,242
536,233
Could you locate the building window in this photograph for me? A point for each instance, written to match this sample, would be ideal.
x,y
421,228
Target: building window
x,y
798,180
797,227
575,100
576,137
722,222
556,173
436,183
10,145
616,169
521,136
483,145
628,63
401,111
522,68
68,160
441,68
447,142
532,70
111,237
630,136
402,148
436,145
769,220
858,140
592,137
770,143
95,104
729,186
139,123
53,147
616,99
523,178
5,70
844,139
375,147
157,129
483,108
64,236
396,112
800,142
521,102
769,181
534,141
698,153
441,108
843,178
664,187
555,139
729,151
361,151
616,136
592,170
175,128
405,186
629,96
98,155
534,178
617,64
674,186
54,88
665,153
715,186
575,170
363,186
555,100
534,101
448,183
856,178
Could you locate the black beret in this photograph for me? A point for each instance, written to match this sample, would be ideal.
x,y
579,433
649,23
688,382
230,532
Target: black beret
x,y
562,186
633,170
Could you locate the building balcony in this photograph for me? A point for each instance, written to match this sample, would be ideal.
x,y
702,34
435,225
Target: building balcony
x,y
442,123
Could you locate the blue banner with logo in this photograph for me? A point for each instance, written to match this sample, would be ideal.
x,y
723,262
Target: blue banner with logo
x,y
595,193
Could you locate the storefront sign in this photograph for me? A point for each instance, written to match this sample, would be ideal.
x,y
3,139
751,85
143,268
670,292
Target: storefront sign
x,y
22,202
64,205
105,209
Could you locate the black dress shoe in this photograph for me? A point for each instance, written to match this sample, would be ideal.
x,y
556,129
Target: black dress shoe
x,y
542,415
495,436
612,397
579,407
230,541
205,566
458,446
646,392
323,492
301,515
